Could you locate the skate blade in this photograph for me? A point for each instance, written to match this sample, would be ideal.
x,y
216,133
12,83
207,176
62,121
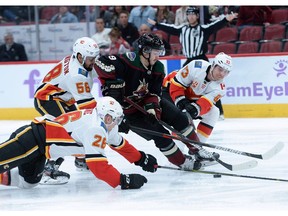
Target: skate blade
x,y
46,180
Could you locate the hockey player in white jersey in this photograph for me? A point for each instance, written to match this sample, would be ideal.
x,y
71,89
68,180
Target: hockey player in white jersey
x,y
67,87
196,88
86,132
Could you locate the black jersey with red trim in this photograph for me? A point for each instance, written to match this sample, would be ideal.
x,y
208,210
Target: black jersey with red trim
x,y
142,85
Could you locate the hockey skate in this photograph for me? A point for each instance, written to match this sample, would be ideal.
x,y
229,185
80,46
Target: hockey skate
x,y
190,163
205,157
80,164
51,174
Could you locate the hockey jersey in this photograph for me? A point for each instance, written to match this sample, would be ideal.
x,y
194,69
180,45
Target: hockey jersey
x,y
84,133
142,85
68,81
190,82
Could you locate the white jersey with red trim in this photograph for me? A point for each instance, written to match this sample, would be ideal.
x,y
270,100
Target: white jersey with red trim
x,y
75,133
70,82
193,76
83,133
88,132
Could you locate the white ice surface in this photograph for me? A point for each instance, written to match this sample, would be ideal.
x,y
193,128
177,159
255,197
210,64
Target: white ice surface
x,y
168,190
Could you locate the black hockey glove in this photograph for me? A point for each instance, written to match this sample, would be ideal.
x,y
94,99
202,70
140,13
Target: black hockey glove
x,y
132,181
151,119
115,89
192,108
147,162
124,126
153,113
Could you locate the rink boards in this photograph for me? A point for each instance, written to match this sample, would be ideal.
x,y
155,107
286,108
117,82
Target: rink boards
x,y
256,87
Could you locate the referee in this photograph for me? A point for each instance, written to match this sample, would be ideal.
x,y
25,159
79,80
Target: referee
x,y
194,36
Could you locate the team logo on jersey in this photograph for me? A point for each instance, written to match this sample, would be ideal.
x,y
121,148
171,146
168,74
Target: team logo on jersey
x,y
194,84
104,126
131,56
141,90
198,64
83,72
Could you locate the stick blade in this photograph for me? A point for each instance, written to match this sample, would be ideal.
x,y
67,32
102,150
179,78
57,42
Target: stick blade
x,y
273,151
245,165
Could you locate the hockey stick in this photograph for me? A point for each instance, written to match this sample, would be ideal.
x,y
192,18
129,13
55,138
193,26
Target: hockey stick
x,y
267,155
270,153
235,167
218,174
245,165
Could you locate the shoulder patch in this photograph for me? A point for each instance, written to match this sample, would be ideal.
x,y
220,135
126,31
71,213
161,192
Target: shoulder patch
x,y
198,64
83,72
131,56
104,126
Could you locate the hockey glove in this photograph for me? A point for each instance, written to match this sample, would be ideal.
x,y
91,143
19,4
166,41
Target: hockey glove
x,y
132,181
147,162
124,126
115,89
153,113
192,108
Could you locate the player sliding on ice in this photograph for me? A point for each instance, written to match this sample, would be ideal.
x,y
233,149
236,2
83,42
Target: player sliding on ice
x,y
86,132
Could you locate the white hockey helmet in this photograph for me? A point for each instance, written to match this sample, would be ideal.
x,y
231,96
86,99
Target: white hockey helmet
x,y
224,61
86,46
108,105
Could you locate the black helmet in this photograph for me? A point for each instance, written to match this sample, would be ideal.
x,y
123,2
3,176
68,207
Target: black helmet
x,y
192,10
147,42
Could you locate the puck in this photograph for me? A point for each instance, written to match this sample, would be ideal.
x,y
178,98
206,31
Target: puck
x,y
217,176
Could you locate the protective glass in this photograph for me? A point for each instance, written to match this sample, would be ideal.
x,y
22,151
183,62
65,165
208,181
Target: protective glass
x,y
118,119
222,70
158,52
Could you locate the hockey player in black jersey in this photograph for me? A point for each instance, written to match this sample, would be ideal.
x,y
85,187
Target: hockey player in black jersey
x,y
139,76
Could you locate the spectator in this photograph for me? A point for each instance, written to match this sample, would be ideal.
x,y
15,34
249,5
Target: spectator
x,y
106,13
129,30
101,37
144,29
254,15
118,44
79,12
64,16
93,11
140,14
9,14
164,15
11,51
214,12
115,18
180,15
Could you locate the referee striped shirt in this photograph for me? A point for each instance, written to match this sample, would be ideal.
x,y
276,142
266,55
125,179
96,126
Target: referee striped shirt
x,y
193,38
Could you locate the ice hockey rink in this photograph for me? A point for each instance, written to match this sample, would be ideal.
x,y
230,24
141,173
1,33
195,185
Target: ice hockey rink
x,y
172,191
